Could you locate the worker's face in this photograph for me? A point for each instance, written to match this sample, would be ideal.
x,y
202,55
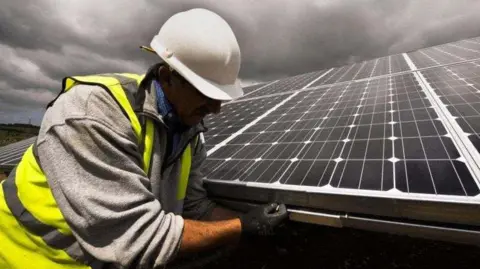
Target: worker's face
x,y
190,104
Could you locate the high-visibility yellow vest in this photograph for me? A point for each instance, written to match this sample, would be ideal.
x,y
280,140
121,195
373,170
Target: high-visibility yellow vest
x,y
33,231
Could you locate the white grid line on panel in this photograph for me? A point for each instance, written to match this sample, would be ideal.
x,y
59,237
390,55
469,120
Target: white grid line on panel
x,y
335,140
465,135
321,149
340,154
460,47
325,159
224,142
368,141
360,106
266,85
393,135
464,145
402,82
319,77
335,104
423,148
258,119
283,133
358,80
451,54
291,108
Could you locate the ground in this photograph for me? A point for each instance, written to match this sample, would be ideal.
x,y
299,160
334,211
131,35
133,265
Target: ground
x,y
302,246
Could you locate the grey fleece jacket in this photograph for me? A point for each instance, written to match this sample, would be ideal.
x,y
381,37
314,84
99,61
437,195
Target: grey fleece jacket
x,y
121,216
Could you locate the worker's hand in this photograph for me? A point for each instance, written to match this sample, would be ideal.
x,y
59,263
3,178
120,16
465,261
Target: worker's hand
x,y
263,219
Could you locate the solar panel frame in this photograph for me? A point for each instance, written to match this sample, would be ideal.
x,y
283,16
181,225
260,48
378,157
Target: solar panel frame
x,y
439,209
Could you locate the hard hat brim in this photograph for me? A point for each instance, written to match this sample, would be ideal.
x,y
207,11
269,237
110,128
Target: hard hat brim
x,y
207,87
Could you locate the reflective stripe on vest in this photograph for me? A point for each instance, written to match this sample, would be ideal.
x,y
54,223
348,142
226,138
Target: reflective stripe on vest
x,y
31,202
148,146
52,228
186,161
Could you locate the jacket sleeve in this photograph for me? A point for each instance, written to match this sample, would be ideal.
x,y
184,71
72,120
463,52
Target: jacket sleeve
x,y
196,204
94,170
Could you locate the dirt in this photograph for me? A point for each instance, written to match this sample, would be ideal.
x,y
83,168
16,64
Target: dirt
x,y
2,176
300,246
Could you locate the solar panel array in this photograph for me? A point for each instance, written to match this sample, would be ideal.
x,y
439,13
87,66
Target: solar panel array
x,y
11,154
403,126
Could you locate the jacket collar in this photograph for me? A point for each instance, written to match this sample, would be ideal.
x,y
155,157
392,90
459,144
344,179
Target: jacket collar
x,y
163,105
148,90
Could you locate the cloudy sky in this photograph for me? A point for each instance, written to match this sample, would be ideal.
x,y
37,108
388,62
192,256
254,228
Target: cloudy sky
x,y
41,41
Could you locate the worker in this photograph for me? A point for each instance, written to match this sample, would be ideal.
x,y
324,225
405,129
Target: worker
x,y
113,179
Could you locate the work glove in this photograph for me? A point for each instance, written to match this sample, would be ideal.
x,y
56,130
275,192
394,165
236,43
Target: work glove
x,y
263,219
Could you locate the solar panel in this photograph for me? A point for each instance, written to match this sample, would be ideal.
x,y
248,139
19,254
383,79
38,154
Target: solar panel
x,y
11,154
458,88
373,135
234,117
460,51
252,88
377,137
368,69
286,85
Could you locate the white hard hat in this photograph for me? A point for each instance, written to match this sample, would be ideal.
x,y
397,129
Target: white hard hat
x,y
201,47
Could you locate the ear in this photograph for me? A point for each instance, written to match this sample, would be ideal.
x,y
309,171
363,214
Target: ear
x,y
164,76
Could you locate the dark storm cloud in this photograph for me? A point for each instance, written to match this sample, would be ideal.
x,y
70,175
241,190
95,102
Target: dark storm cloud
x,y
42,41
